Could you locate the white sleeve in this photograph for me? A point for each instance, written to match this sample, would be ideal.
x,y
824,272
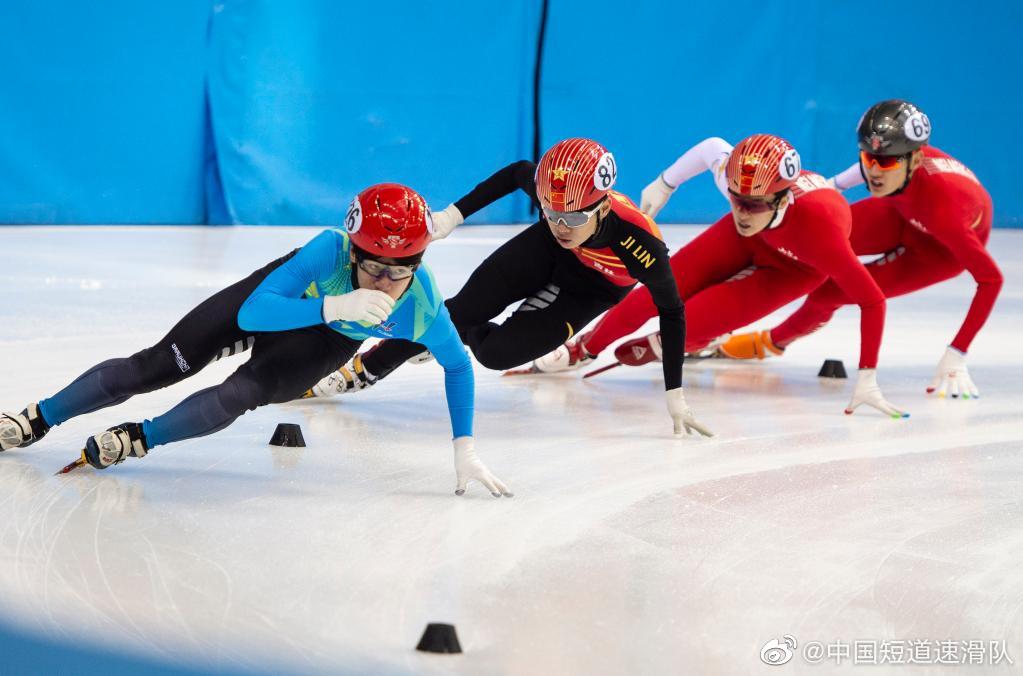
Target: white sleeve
x,y
710,154
849,178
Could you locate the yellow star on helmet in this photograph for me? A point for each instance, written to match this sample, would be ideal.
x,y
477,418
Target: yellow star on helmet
x,y
559,174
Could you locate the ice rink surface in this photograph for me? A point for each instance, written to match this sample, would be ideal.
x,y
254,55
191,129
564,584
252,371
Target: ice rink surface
x,y
624,551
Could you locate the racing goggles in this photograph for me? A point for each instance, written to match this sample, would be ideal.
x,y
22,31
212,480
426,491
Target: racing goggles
x,y
882,162
754,206
570,219
376,269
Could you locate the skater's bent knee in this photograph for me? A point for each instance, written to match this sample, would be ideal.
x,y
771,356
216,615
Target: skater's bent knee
x,y
498,359
244,391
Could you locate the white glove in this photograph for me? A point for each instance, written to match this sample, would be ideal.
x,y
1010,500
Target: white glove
x,y
468,467
446,221
868,392
655,196
682,416
952,377
361,305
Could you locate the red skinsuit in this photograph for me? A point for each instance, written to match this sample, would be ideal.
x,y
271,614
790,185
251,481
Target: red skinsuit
x,y
728,281
931,231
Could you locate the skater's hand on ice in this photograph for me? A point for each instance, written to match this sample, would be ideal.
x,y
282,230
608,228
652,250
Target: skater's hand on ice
x,y
682,417
655,196
953,378
446,221
361,305
468,467
868,392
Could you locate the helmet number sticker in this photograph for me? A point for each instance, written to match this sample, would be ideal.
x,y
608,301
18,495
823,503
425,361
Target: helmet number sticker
x,y
918,127
606,172
353,218
789,166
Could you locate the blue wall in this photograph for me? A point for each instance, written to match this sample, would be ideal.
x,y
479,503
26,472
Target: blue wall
x,y
313,101
193,111
101,111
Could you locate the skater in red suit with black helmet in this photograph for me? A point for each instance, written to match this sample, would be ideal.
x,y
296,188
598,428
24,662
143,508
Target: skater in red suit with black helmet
x,y
929,219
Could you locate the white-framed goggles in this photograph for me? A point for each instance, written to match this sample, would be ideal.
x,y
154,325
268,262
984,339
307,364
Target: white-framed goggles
x,y
571,219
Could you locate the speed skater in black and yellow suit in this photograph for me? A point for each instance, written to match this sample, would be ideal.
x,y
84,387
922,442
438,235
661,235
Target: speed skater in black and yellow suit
x,y
591,246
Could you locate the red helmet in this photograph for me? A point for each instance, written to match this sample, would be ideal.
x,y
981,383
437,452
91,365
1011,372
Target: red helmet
x,y
389,220
574,174
762,164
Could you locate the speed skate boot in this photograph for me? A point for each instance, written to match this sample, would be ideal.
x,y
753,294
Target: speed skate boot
x,y
126,440
754,345
343,381
640,351
18,430
567,357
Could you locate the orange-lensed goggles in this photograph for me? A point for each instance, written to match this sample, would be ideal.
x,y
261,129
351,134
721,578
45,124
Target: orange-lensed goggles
x,y
882,162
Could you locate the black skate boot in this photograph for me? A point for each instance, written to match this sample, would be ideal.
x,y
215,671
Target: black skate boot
x,y
18,430
115,444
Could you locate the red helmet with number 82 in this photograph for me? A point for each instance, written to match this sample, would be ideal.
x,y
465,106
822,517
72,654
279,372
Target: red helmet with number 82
x,y
389,220
762,164
574,174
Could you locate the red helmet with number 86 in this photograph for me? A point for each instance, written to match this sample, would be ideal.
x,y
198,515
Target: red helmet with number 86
x,y
389,220
574,174
762,164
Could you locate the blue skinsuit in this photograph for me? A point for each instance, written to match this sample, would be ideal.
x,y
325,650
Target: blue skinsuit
x,y
322,267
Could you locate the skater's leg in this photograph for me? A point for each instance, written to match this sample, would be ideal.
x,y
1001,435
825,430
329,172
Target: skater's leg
x,y
520,268
904,270
282,367
713,256
745,298
532,331
207,332
387,355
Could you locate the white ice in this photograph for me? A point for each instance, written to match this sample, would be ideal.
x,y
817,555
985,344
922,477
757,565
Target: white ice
x,y
624,551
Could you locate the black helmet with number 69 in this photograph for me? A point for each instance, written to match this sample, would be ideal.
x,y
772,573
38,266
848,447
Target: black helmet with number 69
x,y
894,127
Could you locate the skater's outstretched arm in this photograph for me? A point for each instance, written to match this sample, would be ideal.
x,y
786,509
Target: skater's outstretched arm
x,y
459,383
645,256
280,302
708,155
954,223
442,340
850,178
516,176
277,303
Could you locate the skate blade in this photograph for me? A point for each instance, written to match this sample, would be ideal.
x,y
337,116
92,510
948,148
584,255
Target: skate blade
x,y
522,372
714,353
597,372
70,467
